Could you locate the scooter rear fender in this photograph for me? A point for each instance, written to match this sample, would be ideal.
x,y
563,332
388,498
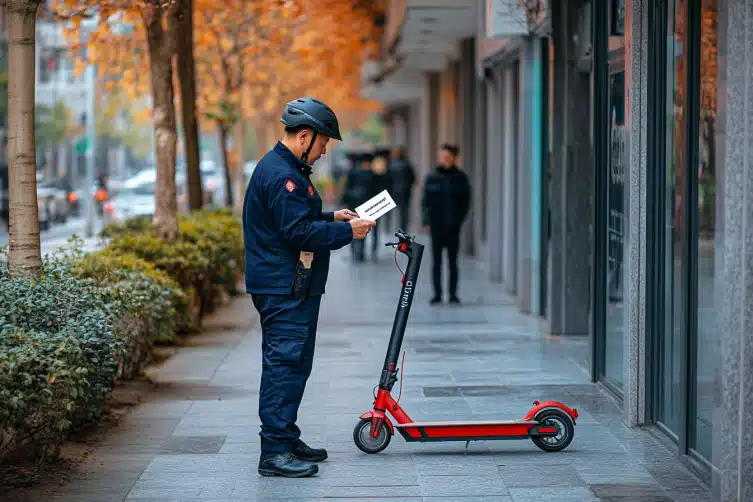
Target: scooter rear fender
x,y
538,407
383,416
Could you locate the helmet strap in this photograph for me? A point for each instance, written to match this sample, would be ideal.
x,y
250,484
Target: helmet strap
x,y
305,155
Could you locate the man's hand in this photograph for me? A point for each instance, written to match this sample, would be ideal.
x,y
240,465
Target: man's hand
x,y
361,227
345,215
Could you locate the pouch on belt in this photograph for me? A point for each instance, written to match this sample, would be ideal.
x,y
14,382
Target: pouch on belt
x,y
302,278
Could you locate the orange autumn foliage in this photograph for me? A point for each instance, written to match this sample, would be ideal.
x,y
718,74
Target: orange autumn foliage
x,y
283,51
273,51
254,56
116,43
143,31
251,58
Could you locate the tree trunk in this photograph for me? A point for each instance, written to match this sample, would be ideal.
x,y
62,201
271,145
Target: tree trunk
x,y
223,131
187,79
160,63
24,254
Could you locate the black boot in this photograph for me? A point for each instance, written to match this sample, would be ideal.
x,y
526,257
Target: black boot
x,y
304,452
287,465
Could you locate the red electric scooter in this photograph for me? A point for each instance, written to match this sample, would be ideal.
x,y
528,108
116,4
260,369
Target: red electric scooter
x,y
550,425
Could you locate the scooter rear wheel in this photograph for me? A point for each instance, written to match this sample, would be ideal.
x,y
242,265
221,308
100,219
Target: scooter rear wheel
x,y
559,420
368,444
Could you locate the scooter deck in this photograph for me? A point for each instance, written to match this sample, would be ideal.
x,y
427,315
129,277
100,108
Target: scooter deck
x,y
460,423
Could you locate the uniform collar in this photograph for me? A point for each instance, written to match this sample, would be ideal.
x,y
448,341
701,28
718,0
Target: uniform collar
x,y
284,152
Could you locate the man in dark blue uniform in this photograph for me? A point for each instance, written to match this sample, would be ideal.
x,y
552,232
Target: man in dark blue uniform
x,y
288,240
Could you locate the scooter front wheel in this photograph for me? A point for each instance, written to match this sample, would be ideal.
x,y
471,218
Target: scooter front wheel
x,y
368,444
559,420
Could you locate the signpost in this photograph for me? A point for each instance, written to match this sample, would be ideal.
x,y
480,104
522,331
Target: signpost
x,y
88,144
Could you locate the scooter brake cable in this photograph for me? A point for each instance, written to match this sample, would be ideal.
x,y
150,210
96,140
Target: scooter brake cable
x,y
402,368
398,265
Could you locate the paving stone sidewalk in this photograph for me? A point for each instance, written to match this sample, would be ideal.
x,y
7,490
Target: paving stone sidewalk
x,y
198,439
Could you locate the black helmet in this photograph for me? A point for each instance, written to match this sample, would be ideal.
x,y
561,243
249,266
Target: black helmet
x,y
312,113
382,152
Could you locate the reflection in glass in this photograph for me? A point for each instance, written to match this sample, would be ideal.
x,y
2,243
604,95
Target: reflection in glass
x,y
707,345
616,230
616,217
674,308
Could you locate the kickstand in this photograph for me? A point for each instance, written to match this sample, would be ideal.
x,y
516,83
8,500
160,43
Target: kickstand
x,y
466,447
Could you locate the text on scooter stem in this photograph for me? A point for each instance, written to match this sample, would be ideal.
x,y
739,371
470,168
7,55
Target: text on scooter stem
x,y
406,294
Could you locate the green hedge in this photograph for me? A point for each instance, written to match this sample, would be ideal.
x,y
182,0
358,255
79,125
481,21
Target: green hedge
x,y
93,318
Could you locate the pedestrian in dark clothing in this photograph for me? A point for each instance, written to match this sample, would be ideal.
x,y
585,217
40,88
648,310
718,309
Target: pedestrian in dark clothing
x,y
358,190
381,181
287,241
445,203
403,178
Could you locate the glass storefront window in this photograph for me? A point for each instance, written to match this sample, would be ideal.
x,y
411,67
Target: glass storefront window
x,y
675,250
616,203
707,353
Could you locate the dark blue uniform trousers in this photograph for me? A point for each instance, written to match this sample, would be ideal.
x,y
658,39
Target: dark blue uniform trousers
x,y
288,337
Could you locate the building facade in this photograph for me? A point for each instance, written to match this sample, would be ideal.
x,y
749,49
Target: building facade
x,y
580,124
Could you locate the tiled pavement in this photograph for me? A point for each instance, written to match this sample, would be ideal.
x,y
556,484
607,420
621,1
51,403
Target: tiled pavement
x,y
199,439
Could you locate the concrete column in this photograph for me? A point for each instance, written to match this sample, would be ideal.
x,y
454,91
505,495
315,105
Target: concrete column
x,y
481,168
572,181
510,212
446,106
529,167
414,150
427,119
468,131
435,117
733,439
399,133
636,74
494,182
523,99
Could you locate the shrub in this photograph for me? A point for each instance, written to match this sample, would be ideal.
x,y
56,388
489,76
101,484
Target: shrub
x,y
181,260
134,225
93,318
46,383
59,353
220,237
153,304
205,260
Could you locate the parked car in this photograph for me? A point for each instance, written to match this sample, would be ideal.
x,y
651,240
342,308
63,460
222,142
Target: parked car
x,y
43,210
213,179
135,198
55,201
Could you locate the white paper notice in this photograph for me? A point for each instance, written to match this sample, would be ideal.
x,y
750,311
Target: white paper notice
x,y
376,206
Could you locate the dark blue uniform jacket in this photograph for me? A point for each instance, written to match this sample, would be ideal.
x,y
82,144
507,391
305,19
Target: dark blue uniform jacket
x,y
282,216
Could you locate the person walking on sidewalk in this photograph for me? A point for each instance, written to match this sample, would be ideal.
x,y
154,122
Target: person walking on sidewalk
x,y
287,240
445,203
403,178
381,181
358,190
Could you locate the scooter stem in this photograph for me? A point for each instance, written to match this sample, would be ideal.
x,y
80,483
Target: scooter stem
x,y
415,252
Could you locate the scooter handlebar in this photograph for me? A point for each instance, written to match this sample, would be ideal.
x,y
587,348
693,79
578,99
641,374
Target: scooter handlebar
x,y
403,238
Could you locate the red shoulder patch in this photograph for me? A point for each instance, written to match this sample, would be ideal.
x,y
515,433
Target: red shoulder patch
x,y
311,191
290,186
